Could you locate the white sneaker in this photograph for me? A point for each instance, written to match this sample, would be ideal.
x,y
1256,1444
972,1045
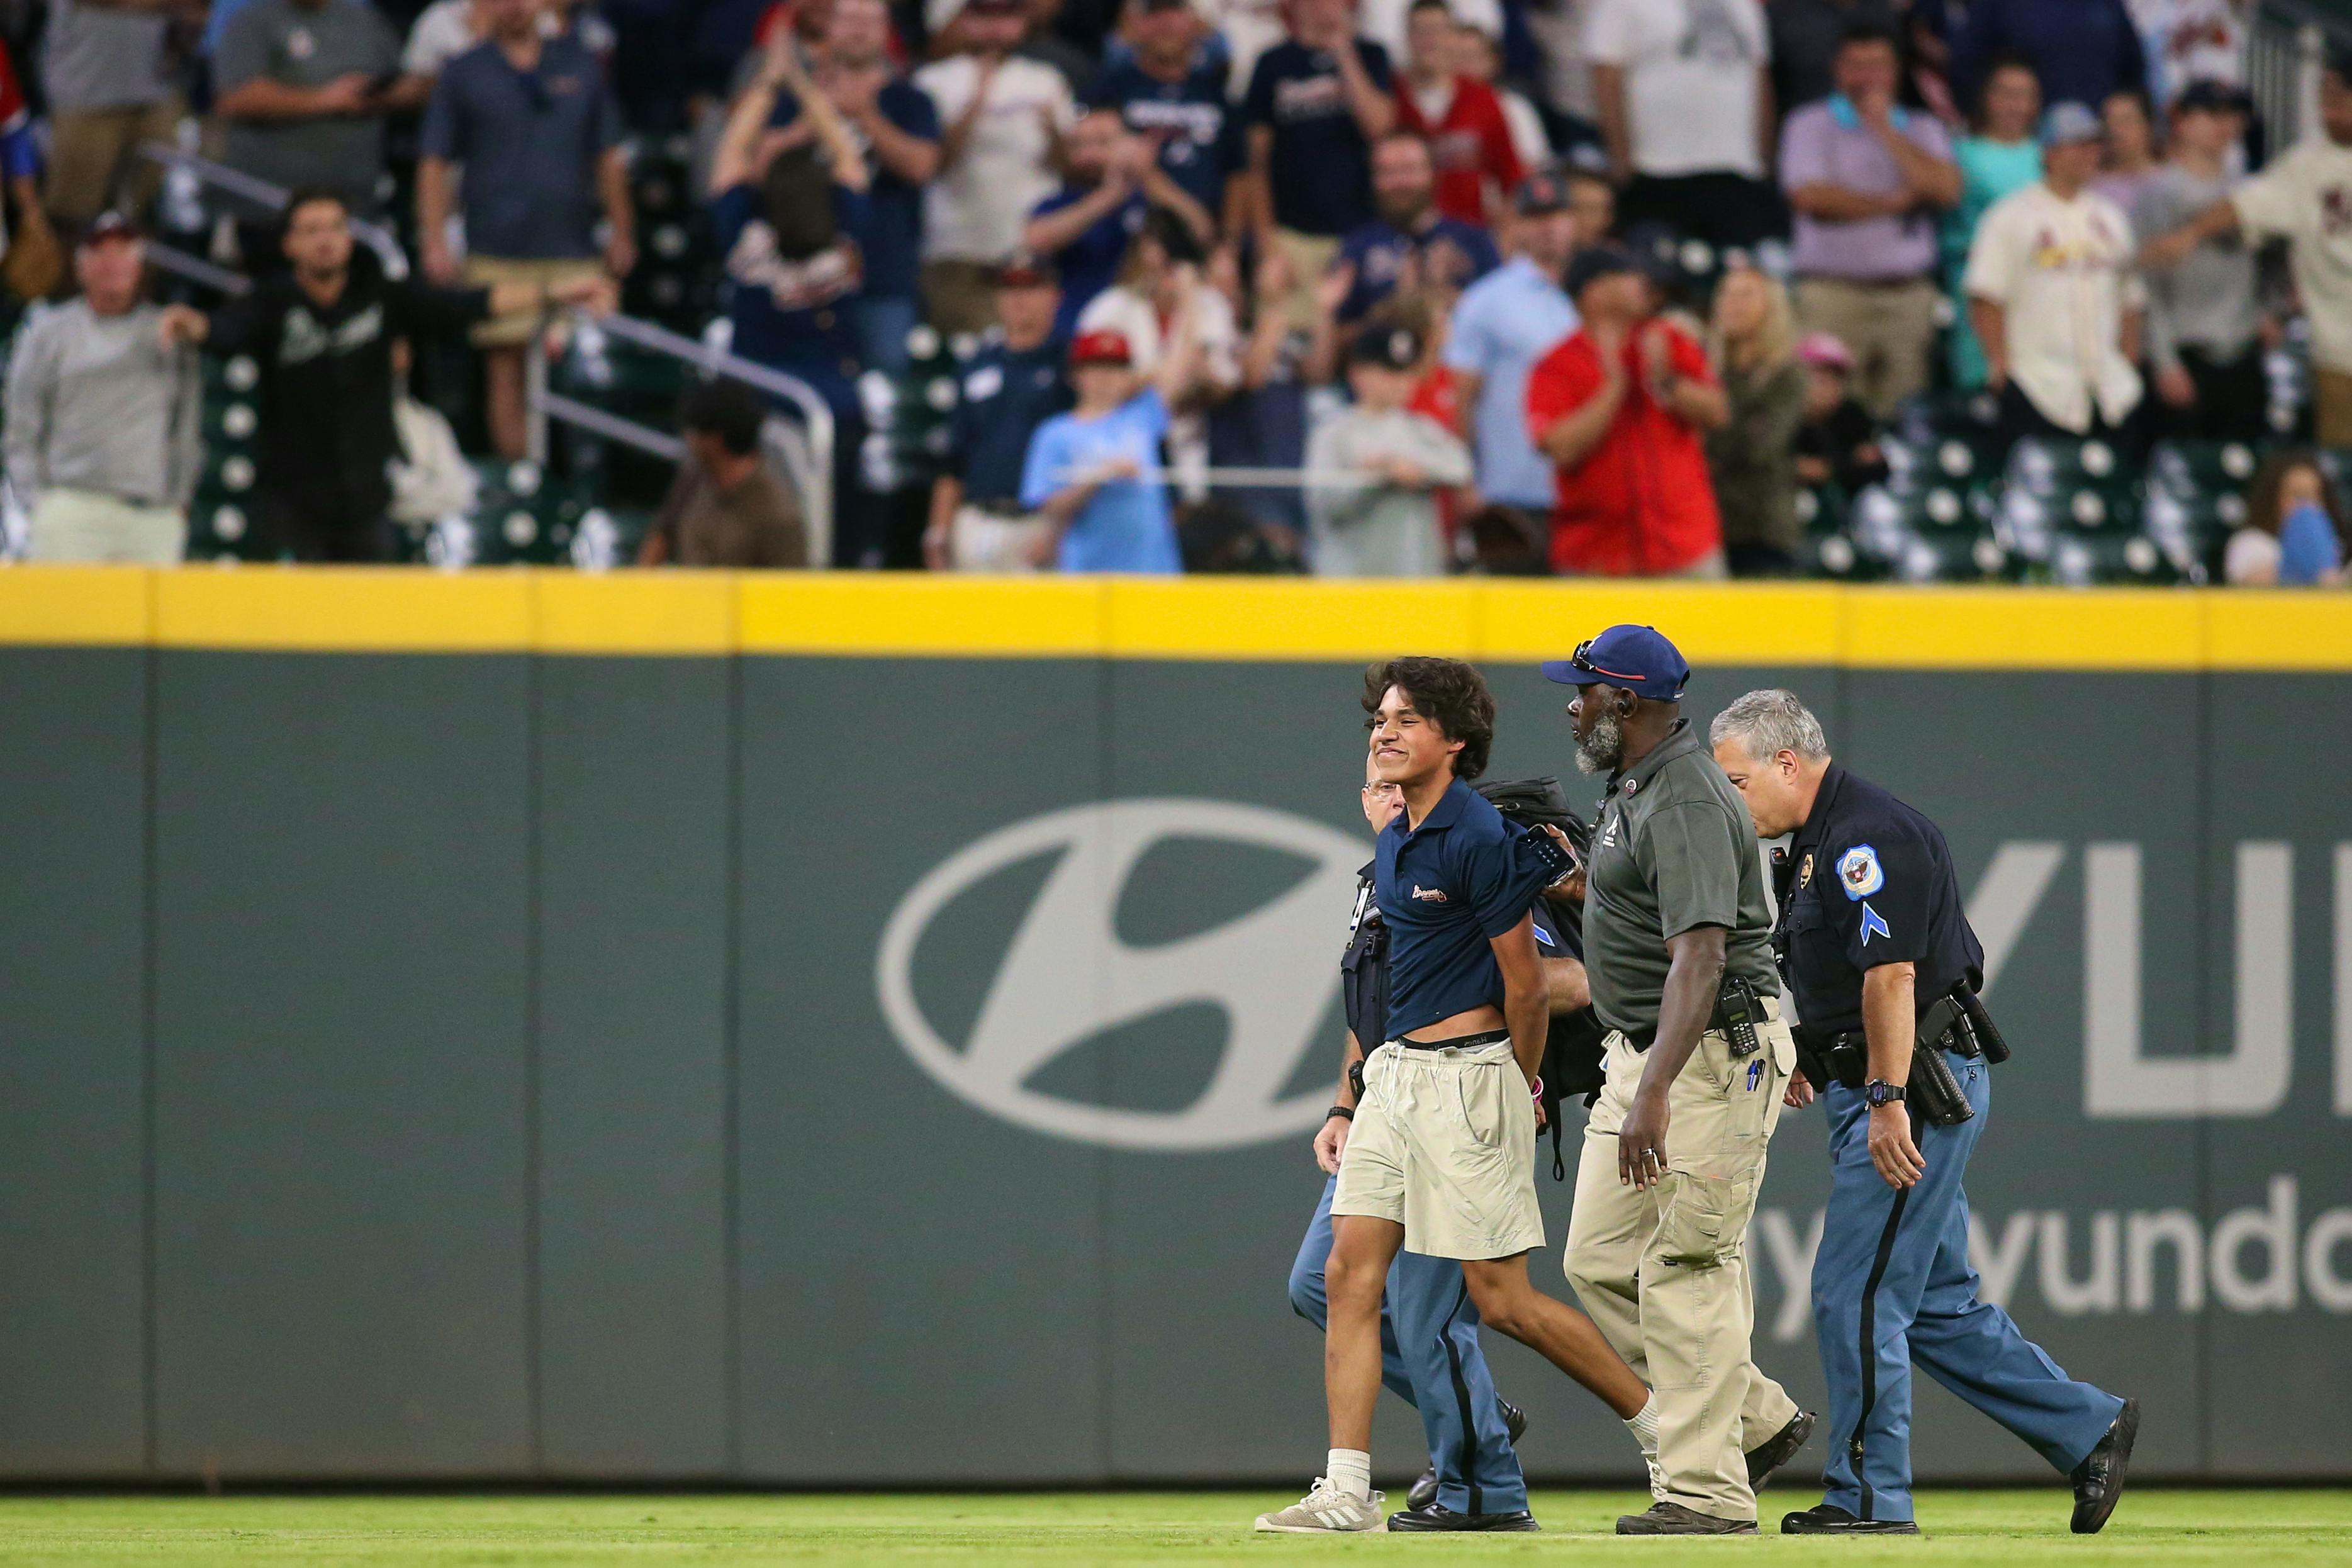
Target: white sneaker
x,y
1328,1510
1657,1475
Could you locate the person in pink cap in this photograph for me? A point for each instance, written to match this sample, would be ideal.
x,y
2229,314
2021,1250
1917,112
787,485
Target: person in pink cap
x,y
1837,442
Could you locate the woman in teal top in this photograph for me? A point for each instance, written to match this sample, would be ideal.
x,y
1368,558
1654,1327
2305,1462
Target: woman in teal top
x,y
2001,157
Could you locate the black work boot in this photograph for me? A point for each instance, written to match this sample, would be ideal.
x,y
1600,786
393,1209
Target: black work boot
x,y
1673,1519
1828,1519
2099,1478
1437,1517
1778,1449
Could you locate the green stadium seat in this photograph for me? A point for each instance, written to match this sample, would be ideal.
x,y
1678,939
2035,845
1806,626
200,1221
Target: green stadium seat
x,y
1930,534
2079,559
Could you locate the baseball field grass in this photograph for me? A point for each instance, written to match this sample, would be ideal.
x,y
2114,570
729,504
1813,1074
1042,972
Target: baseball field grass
x,y
2008,1528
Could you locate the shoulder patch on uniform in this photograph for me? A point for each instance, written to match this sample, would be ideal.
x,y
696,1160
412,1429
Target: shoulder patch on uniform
x,y
1859,872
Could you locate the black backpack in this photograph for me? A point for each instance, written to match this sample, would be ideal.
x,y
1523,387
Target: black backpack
x,y
1573,1065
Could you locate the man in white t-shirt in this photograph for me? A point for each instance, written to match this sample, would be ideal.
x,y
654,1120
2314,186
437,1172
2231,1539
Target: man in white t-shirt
x,y
2051,290
1001,118
1684,97
2305,197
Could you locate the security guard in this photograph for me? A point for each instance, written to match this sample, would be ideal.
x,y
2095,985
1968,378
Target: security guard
x,y
1677,930
1878,956
1429,1329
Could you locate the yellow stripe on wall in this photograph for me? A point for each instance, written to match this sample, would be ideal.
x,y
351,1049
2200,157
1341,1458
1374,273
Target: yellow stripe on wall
x,y
707,613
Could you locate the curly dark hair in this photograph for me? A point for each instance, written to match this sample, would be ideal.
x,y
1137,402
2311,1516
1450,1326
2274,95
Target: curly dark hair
x,y
1448,693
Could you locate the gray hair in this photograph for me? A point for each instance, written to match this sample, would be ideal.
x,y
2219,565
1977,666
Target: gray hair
x,y
1769,722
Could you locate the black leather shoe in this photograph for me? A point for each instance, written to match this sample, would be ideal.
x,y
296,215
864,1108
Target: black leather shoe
x,y
1673,1519
1778,1449
1828,1519
1424,1492
2099,1480
1437,1517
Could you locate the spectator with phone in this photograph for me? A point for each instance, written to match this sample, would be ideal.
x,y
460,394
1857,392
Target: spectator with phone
x,y
303,86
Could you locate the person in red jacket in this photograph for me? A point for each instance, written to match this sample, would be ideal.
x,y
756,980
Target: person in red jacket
x,y
1620,408
1459,117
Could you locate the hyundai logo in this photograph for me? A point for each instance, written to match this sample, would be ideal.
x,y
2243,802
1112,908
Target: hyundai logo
x,y
1067,976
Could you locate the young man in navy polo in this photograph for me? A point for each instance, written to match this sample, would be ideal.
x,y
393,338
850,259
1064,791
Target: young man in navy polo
x,y
1441,1158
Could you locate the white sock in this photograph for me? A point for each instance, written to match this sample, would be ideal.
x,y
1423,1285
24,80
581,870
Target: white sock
x,y
1644,1425
1350,1470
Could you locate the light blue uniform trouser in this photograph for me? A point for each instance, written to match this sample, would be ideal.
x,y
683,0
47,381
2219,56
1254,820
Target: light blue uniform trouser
x,y
1893,1275
1430,1357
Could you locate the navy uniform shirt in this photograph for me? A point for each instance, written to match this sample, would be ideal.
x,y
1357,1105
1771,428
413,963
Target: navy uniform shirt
x,y
1004,395
1363,966
1187,121
1451,252
1089,264
1446,889
1321,170
794,314
1868,881
894,240
529,142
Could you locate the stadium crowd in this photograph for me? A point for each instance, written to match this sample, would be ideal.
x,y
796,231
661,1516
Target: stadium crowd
x,y
1360,287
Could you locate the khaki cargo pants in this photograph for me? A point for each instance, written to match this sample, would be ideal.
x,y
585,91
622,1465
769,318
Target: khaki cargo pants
x,y
1664,1272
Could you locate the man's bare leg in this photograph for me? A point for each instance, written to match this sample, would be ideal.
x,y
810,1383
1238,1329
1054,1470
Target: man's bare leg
x,y
1354,1279
1509,1302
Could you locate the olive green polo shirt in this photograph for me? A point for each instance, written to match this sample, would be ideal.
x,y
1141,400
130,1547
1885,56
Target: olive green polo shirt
x,y
1674,850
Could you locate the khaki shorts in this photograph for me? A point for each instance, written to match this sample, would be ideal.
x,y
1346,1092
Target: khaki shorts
x,y
1445,1145
983,541
86,525
512,331
1310,256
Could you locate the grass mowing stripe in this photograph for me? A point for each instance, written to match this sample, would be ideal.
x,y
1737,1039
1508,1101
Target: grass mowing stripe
x,y
2246,1529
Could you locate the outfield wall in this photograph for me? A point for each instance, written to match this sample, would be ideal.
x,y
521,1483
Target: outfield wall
x,y
860,1030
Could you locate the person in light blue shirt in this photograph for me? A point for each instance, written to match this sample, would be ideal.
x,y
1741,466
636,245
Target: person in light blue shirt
x,y
1503,324
1094,474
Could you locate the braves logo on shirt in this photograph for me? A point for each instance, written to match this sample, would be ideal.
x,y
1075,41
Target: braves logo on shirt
x,y
801,284
1429,895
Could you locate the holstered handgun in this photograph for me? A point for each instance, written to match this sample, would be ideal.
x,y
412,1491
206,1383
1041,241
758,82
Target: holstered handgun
x,y
1932,1091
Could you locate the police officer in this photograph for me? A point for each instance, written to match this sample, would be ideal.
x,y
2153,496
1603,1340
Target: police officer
x,y
1429,1329
1878,956
1677,932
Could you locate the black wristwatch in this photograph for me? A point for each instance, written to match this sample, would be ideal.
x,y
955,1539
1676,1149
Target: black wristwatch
x,y
1878,1092
1339,1110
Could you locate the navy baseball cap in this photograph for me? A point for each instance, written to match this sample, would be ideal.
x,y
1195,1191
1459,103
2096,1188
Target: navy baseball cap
x,y
1638,658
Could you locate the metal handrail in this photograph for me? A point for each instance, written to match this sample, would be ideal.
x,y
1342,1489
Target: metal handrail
x,y
815,412
195,269
811,469
272,197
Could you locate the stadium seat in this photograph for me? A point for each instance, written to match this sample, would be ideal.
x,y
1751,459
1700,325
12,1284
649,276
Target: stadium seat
x,y
1927,534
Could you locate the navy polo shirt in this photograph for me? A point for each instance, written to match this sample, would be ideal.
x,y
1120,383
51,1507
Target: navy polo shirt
x,y
894,243
1461,252
1004,395
529,141
1869,881
1189,120
1446,889
1089,264
1321,169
